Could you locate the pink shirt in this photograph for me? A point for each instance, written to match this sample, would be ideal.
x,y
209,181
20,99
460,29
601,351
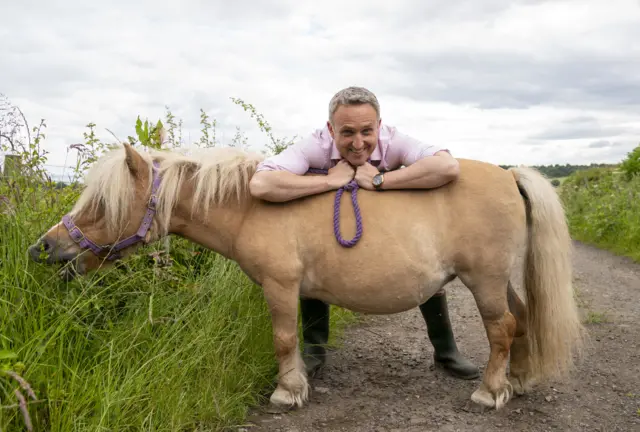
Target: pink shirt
x,y
318,150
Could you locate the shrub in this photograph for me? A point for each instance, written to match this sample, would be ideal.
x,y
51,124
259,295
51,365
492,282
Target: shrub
x,y
603,208
631,165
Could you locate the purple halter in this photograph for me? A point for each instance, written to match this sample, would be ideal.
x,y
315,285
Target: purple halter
x,y
113,251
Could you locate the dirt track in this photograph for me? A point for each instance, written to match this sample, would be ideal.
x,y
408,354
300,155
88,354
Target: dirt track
x,y
382,379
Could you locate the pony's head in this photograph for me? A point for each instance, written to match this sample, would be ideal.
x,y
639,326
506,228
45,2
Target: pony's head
x,y
130,197
115,213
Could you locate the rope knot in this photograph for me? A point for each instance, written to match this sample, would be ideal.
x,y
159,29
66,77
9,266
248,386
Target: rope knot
x,y
352,185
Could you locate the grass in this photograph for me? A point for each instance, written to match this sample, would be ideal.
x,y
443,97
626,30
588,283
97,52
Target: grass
x,y
169,340
596,318
142,347
603,209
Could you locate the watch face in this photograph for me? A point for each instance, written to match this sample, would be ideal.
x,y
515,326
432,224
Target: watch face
x,y
377,180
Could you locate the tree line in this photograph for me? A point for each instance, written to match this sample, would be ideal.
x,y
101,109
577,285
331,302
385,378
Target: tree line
x,y
557,170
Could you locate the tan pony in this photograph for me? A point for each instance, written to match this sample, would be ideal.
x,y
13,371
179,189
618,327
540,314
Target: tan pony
x,y
413,243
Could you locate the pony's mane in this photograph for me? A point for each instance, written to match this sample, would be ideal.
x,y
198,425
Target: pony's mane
x,y
219,175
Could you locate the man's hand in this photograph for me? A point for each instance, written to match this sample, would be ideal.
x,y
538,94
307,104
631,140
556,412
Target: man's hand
x,y
365,174
341,174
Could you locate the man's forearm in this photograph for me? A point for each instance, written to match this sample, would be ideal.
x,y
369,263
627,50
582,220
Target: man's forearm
x,y
280,186
427,173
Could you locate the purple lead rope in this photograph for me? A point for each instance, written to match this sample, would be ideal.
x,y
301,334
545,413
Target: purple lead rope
x,y
353,187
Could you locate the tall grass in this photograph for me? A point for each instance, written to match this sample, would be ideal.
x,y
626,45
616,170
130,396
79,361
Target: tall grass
x,y
172,339
603,206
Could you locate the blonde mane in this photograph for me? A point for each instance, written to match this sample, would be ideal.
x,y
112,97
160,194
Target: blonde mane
x,y
219,174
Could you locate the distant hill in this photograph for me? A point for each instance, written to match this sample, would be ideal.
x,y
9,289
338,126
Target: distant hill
x,y
558,171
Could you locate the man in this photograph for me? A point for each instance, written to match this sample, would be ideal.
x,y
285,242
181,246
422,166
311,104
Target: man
x,y
355,144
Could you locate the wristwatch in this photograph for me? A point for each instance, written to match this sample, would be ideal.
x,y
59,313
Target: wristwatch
x,y
378,180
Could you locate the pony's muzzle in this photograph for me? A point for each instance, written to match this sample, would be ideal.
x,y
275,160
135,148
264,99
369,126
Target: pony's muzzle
x,y
46,251
39,251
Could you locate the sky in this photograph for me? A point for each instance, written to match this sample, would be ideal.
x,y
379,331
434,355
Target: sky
x,y
508,82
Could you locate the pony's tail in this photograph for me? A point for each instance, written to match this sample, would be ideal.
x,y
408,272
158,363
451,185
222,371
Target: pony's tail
x,y
553,326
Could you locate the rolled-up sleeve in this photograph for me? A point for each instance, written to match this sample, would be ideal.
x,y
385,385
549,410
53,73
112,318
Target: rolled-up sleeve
x,y
297,158
408,149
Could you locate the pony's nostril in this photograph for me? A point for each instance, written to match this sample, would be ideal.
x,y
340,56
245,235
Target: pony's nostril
x,y
39,248
46,246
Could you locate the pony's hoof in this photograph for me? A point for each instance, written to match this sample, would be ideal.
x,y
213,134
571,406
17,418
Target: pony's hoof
x,y
474,408
483,398
518,388
272,408
487,399
283,400
521,385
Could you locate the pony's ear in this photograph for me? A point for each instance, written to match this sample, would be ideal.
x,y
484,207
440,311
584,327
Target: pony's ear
x,y
133,159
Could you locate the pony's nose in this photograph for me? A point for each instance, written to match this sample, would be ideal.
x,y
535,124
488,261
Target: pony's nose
x,y
43,245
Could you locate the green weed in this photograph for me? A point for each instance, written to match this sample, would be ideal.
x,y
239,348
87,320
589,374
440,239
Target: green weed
x,y
603,207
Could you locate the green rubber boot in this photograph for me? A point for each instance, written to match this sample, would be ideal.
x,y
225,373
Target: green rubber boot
x,y
315,333
446,354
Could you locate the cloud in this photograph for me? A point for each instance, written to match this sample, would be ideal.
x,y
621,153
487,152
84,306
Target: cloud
x,y
520,81
600,144
506,82
577,128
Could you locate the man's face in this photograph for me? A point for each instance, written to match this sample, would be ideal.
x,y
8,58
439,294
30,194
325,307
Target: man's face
x,y
355,132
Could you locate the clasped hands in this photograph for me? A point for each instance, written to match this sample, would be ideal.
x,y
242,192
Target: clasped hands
x,y
343,173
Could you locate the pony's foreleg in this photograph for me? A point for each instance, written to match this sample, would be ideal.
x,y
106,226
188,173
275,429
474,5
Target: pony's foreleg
x,y
520,358
500,325
293,388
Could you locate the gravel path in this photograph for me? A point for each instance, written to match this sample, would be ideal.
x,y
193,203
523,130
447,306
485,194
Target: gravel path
x,y
382,378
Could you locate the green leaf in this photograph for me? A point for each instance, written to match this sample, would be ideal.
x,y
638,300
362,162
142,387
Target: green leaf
x,y
6,354
139,128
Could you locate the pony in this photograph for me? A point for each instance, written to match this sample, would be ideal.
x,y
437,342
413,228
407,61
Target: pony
x,y
415,241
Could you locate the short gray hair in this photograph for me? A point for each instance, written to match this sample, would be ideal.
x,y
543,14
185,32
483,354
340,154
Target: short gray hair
x,y
353,96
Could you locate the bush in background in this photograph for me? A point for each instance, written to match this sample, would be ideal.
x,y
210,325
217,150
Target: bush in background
x,y
603,206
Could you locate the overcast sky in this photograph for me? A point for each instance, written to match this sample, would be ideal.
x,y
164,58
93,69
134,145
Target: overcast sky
x,y
531,82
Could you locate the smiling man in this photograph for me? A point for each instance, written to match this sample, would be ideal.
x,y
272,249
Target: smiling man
x,y
355,144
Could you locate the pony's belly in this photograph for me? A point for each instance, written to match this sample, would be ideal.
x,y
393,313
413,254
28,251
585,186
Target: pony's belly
x,y
376,294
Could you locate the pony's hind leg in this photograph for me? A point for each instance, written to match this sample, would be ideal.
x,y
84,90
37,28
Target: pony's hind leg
x,y
519,368
500,325
293,387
